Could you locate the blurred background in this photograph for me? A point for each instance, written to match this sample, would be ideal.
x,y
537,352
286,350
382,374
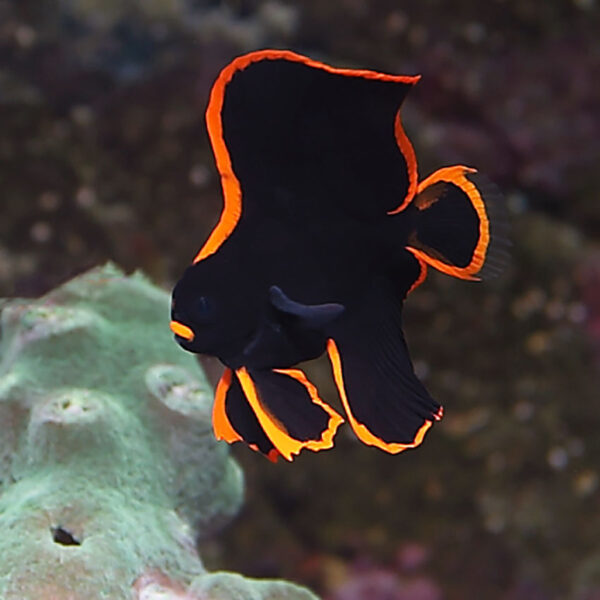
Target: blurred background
x,y
104,156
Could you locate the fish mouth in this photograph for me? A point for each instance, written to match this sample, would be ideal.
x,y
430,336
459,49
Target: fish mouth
x,y
182,331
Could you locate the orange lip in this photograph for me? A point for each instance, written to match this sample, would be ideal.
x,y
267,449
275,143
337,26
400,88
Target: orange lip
x,y
182,330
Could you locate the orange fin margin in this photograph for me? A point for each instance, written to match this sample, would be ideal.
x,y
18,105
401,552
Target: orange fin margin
x,y
222,427
410,157
232,192
285,444
361,431
458,176
421,278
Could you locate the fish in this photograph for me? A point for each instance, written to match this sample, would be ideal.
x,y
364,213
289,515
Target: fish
x,y
325,230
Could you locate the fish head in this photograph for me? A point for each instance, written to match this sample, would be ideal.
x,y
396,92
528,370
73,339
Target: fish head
x,y
208,314
196,313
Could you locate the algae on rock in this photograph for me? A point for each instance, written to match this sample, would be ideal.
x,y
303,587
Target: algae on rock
x,y
109,470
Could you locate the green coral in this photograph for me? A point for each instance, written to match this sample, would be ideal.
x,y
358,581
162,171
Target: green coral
x,y
109,471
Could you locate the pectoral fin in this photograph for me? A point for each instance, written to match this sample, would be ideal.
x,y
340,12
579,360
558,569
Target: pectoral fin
x,y
311,316
289,332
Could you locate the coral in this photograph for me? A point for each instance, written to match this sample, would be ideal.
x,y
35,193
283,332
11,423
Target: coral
x,y
109,471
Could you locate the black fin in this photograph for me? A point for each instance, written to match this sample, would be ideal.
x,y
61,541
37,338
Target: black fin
x,y
387,406
289,332
410,273
461,224
288,121
289,410
310,316
234,420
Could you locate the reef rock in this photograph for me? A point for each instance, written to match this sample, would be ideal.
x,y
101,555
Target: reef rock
x,y
109,471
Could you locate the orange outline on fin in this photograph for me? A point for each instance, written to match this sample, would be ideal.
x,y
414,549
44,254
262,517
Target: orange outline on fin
x,y
335,419
421,278
457,176
222,427
361,431
232,192
286,445
410,157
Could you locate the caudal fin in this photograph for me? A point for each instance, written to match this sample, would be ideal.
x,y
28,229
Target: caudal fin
x,y
461,224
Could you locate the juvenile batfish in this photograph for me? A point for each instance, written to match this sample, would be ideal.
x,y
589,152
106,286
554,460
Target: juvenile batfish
x,y
325,230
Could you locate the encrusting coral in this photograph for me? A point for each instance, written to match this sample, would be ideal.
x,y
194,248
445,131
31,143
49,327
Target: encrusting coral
x,y
109,470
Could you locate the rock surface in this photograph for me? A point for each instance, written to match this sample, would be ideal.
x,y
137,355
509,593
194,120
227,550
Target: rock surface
x,y
109,471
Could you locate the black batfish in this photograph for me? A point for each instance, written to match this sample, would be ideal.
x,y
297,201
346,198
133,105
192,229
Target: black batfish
x,y
325,230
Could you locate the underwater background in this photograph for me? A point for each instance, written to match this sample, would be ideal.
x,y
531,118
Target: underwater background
x,y
104,156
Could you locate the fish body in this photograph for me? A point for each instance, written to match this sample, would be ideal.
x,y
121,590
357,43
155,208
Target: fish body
x,y
324,232
331,258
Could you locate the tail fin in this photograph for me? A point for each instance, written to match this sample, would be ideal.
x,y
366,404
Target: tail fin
x,y
461,224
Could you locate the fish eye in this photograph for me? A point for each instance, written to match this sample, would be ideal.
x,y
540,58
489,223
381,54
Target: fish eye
x,y
205,307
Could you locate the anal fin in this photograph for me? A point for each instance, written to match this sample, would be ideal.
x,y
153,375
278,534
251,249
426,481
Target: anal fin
x,y
386,405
